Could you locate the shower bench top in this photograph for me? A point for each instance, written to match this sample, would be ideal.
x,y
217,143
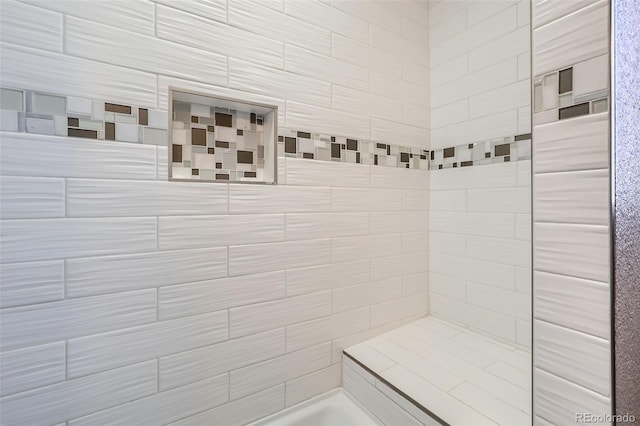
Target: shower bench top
x,y
453,374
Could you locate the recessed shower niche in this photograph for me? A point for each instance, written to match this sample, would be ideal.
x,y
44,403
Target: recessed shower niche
x,y
220,139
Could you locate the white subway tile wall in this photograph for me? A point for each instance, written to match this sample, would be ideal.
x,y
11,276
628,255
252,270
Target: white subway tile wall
x,y
130,269
129,298
480,78
476,251
302,56
571,281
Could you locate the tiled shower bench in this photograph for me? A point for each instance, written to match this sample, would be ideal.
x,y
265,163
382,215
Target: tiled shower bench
x,y
433,372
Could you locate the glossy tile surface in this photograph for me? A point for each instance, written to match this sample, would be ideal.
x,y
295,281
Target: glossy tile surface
x,y
571,162
460,376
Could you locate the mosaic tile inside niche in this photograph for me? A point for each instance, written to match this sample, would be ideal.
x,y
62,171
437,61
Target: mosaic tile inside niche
x,y
211,143
499,150
56,115
572,92
324,147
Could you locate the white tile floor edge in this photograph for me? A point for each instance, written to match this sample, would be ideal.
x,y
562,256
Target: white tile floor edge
x,y
462,377
332,408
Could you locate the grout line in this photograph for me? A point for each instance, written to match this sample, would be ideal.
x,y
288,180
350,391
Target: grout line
x,y
155,19
584,333
63,34
64,278
66,359
157,165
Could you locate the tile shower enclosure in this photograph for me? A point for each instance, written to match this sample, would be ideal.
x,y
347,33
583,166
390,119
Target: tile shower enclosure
x,y
142,281
332,255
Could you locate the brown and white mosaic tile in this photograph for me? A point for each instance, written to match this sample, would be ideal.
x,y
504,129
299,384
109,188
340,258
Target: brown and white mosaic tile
x,y
499,150
217,144
324,147
222,144
571,92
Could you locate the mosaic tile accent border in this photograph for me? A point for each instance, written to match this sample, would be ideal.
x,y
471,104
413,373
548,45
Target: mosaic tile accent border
x,y
50,114
500,150
324,147
571,92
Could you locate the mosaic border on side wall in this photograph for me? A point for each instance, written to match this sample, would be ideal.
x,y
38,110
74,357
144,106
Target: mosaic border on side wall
x,y
49,114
